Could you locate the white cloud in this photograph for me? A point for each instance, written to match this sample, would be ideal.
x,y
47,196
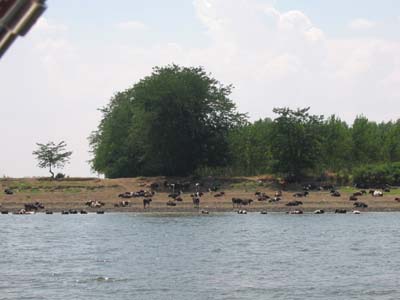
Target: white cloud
x,y
131,25
273,58
284,59
391,83
43,25
361,24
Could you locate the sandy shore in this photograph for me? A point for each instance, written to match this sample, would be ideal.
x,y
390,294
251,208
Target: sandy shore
x,y
57,196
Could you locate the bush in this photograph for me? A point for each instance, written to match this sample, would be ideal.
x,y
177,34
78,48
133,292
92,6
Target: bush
x,y
377,175
60,176
343,178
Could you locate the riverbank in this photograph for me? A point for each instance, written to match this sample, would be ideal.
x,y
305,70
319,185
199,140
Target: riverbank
x,y
73,193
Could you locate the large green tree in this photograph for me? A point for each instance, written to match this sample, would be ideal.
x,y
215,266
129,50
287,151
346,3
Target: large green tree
x,y
296,142
169,123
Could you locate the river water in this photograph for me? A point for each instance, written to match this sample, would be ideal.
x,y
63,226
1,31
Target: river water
x,y
222,256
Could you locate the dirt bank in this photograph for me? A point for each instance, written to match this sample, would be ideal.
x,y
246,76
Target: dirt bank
x,y
75,192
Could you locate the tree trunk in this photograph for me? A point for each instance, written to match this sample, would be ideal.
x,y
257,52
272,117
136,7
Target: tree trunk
x,y
51,172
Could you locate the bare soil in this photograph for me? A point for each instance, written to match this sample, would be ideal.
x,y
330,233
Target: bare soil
x,y
73,193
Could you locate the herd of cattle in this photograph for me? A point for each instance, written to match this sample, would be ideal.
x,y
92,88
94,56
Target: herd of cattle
x,y
30,208
175,196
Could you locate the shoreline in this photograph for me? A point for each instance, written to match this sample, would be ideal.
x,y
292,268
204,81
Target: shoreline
x,y
72,194
308,210
190,213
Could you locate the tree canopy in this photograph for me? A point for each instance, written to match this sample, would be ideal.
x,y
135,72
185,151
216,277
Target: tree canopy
x,y
180,121
52,155
297,144
296,141
169,123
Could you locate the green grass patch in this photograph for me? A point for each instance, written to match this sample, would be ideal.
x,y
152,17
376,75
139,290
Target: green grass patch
x,y
394,192
348,189
34,191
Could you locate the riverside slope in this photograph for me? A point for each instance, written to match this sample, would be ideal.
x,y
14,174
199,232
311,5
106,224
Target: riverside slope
x,y
73,193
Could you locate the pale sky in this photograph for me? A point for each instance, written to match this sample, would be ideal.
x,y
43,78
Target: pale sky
x,y
339,57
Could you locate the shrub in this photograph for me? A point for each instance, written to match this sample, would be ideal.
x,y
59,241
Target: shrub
x,y
60,176
377,175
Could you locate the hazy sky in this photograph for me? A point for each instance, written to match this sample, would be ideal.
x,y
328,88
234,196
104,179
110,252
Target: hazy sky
x,y
339,57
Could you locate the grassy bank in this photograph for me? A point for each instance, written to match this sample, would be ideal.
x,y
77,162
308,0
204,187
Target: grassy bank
x,y
73,193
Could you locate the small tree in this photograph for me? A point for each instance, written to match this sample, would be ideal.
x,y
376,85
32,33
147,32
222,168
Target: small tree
x,y
52,155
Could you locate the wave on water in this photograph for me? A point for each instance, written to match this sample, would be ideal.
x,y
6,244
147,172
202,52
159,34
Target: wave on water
x,y
102,279
277,257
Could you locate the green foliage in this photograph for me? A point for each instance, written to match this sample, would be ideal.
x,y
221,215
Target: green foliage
x,y
113,142
390,133
342,178
336,145
296,142
250,148
377,175
169,123
52,155
366,138
180,121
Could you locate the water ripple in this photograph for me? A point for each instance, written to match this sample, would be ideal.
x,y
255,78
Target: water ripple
x,y
223,256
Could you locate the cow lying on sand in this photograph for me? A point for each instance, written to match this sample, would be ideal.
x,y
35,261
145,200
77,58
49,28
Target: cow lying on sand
x,y
240,202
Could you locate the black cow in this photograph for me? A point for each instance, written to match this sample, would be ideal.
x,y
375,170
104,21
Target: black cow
x,y
154,185
174,195
8,191
196,202
263,197
33,206
171,203
239,202
275,199
146,202
236,201
246,201
360,204
300,194
294,203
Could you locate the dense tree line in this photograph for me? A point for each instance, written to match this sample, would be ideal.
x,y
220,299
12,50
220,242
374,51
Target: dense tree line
x,y
297,144
181,121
